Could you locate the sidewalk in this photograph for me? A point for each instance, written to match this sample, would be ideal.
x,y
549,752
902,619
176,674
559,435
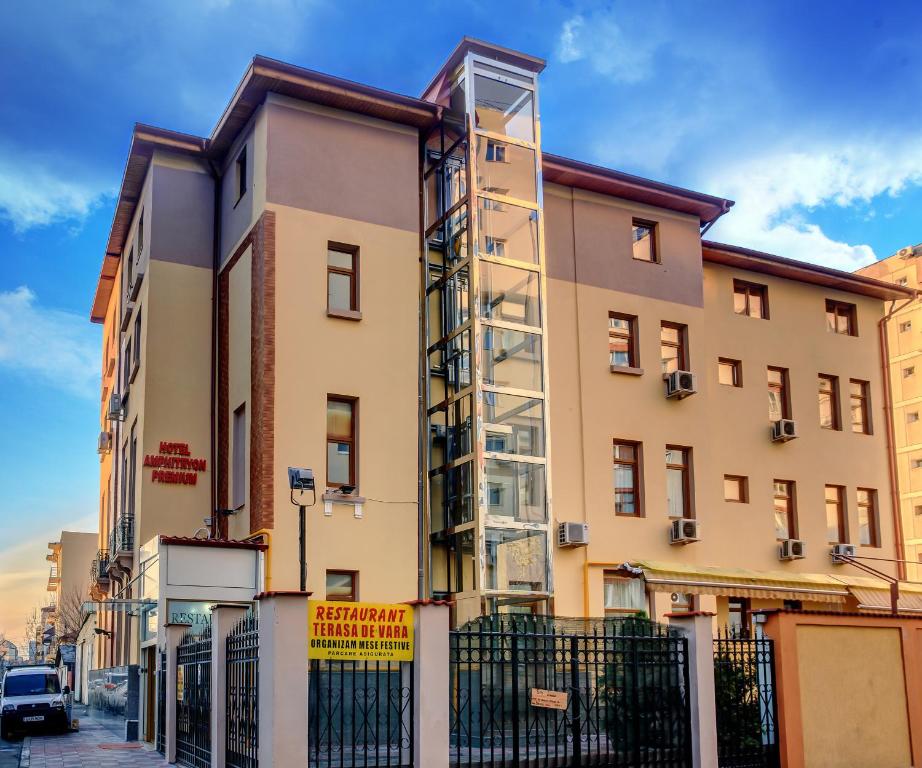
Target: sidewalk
x,y
94,746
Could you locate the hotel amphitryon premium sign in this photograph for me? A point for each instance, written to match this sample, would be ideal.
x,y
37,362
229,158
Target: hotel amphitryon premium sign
x,y
353,631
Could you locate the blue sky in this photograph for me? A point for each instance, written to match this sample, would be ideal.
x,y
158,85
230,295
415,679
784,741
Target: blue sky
x,y
805,113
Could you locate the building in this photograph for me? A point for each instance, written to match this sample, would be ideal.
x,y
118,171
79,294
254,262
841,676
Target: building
x,y
904,347
69,576
412,299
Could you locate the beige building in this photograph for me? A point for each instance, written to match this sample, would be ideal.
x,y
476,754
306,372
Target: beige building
x,y
904,348
566,403
69,577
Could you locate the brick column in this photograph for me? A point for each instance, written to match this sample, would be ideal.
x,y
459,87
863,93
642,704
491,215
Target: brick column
x,y
697,627
223,619
174,633
283,678
431,682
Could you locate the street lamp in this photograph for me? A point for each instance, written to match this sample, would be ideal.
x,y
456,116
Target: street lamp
x,y
301,480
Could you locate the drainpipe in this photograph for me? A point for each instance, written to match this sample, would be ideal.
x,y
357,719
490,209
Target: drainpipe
x,y
891,442
218,522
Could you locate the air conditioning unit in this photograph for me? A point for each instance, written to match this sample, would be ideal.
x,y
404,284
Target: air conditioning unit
x,y
127,311
784,430
116,411
683,531
105,443
905,253
572,534
680,384
791,549
842,550
135,287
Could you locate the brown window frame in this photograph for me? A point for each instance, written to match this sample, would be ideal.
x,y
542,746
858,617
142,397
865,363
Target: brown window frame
x,y
864,401
784,389
681,345
352,274
792,507
737,367
873,514
351,439
654,240
637,466
688,512
240,172
630,336
841,511
833,393
842,309
747,289
743,482
354,578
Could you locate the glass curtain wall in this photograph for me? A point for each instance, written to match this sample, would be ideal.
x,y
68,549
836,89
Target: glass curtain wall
x,y
486,437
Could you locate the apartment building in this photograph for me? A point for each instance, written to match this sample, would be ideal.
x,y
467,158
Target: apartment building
x,y
410,298
904,348
69,577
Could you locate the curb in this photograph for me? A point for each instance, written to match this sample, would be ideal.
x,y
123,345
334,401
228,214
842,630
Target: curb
x,y
25,754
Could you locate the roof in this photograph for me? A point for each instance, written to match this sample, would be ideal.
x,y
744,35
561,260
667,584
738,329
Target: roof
x,y
779,266
185,541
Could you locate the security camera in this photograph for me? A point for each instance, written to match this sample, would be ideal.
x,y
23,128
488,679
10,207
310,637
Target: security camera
x,y
300,479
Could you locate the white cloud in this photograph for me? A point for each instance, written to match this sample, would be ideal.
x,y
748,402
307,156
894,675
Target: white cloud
x,y
775,193
33,195
60,348
602,42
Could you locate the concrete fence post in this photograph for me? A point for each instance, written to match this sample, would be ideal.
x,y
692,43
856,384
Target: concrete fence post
x,y
282,678
174,633
223,619
697,627
431,680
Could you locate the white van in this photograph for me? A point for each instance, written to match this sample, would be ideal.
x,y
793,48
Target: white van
x,y
30,697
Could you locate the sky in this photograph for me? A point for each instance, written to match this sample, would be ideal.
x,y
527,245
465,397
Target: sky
x,y
805,114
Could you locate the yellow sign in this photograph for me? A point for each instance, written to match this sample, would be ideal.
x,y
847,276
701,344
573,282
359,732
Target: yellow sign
x,y
369,631
548,699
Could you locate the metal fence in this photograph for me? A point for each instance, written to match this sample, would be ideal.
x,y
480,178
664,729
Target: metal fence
x,y
242,705
193,699
360,713
161,704
622,686
744,688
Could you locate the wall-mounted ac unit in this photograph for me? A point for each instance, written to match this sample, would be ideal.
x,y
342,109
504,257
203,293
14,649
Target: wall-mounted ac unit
x,y
784,430
684,531
135,287
116,411
572,534
905,253
105,443
791,549
680,384
842,550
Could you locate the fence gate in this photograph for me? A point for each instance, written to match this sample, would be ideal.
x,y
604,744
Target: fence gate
x,y
624,686
744,688
193,700
360,714
242,705
161,704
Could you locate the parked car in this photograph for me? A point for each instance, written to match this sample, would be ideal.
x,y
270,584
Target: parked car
x,y
32,697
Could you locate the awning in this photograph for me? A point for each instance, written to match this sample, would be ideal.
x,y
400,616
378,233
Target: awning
x,y
741,582
874,594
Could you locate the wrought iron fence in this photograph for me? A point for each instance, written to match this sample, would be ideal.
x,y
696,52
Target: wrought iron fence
x,y
361,713
99,569
161,704
193,699
242,705
622,687
121,537
744,688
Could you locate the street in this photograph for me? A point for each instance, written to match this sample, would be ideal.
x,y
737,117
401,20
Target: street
x,y
9,753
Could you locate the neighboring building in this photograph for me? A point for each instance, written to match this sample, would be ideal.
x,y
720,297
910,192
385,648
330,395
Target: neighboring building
x,y
553,299
904,346
71,558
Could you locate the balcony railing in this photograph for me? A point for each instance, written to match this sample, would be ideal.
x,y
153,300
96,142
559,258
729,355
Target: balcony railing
x,y
121,539
99,570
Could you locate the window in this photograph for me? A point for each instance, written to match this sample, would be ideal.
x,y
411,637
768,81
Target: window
x,y
779,404
132,470
750,299
836,527
623,595
738,616
912,417
342,278
785,513
859,398
341,585
496,151
495,494
238,496
673,347
907,326
917,509
736,488
129,272
241,173
141,233
622,341
136,359
829,402
868,524
917,463
644,241
908,371
841,318
678,483
626,459
729,372
902,280
341,441
495,246
126,367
